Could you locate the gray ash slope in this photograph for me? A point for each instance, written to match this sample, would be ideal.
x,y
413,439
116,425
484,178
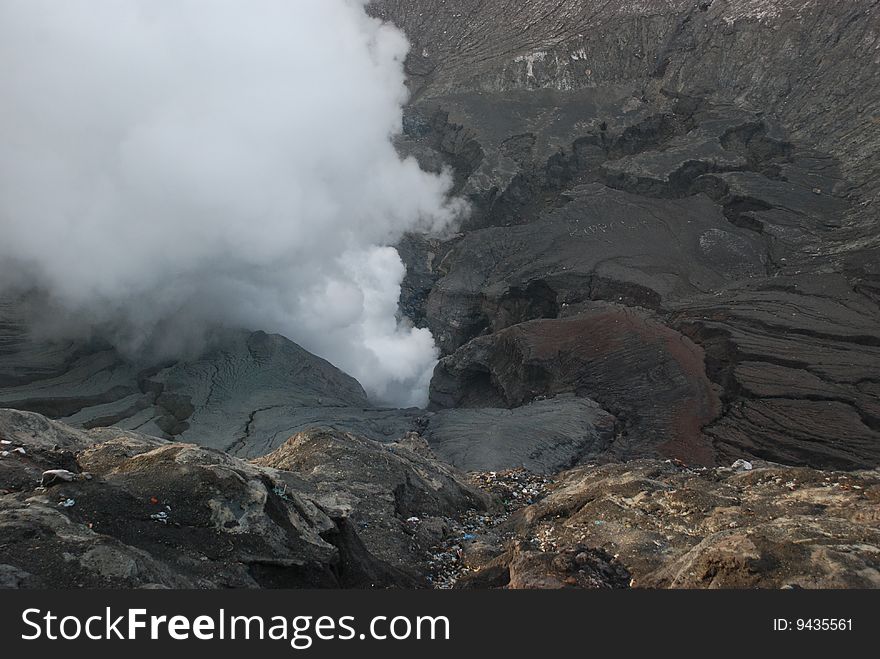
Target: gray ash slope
x,y
245,395
673,251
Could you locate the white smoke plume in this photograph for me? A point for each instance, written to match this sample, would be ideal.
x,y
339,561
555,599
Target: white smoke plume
x,y
169,166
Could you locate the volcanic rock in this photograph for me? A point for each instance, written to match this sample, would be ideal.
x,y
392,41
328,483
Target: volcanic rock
x,y
665,526
651,377
159,513
711,163
246,394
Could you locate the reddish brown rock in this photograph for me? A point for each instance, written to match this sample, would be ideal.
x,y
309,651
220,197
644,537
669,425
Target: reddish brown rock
x,y
649,376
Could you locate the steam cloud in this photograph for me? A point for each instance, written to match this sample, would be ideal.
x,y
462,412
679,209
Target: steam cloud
x,y
170,166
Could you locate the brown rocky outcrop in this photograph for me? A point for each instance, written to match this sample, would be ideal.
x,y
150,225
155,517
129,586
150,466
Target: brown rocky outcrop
x,y
667,526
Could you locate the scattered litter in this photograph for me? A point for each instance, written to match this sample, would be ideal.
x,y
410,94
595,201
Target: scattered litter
x,y
544,540
67,503
413,520
160,517
5,442
154,501
516,488
599,522
53,476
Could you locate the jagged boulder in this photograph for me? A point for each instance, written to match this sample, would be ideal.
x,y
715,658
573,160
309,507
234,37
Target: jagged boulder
x,y
377,487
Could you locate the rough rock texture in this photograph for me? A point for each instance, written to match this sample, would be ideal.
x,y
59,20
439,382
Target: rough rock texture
x,y
601,244
328,509
325,510
377,487
708,162
665,526
793,58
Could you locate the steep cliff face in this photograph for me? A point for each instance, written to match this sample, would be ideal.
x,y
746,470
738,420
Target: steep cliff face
x,y
706,166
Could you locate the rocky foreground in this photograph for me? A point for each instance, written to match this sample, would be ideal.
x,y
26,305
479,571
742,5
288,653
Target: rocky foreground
x,y
112,508
663,525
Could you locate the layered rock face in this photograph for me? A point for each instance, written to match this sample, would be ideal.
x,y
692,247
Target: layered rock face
x,y
674,215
